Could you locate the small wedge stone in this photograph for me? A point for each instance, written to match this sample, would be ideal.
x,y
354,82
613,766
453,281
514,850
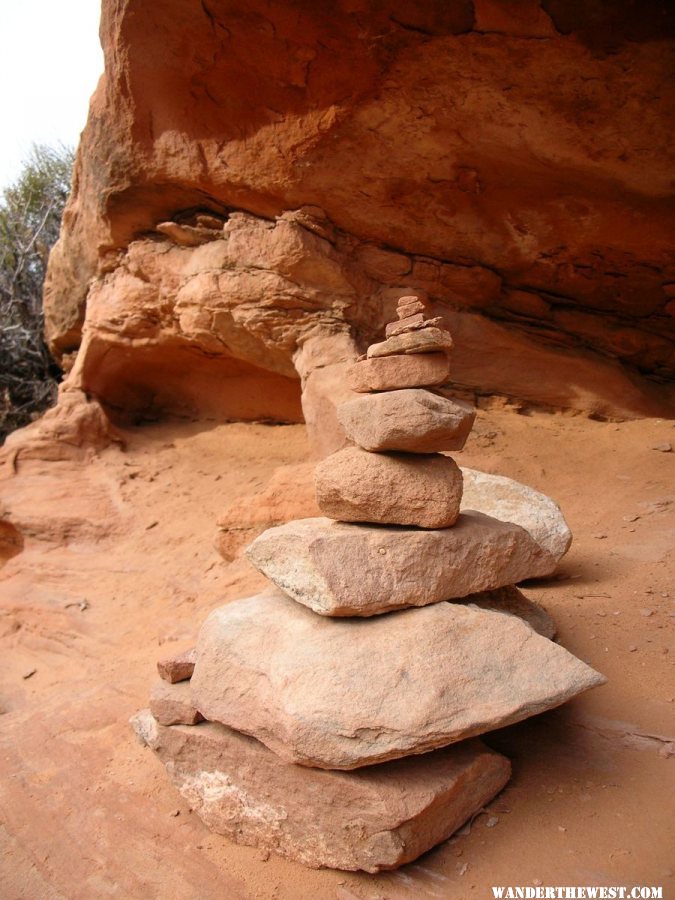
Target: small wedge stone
x,y
415,319
177,668
510,600
171,704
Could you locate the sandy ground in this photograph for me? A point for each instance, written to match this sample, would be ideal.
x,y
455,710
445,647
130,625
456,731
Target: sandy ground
x,y
118,569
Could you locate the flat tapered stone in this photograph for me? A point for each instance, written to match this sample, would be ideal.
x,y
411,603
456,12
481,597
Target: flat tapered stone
x,y
426,340
377,818
412,420
389,373
353,485
341,569
345,693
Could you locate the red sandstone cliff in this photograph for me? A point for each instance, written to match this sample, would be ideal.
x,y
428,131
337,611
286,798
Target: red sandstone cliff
x,y
511,159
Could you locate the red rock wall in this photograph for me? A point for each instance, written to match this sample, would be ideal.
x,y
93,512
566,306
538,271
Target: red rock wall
x,y
510,158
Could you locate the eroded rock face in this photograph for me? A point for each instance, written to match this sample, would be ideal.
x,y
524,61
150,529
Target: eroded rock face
x,y
527,206
345,693
375,819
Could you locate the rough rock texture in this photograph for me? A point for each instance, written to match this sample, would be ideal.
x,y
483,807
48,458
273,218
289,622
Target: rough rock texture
x,y
415,421
344,693
339,569
354,485
504,176
388,373
512,501
177,668
375,819
171,704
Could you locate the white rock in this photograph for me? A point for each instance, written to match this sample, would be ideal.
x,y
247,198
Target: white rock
x,y
511,501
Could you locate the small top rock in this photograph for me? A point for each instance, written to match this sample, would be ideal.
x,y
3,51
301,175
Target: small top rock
x,y
412,312
411,306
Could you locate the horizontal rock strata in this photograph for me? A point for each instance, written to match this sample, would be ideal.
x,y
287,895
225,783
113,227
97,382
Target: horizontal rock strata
x,y
354,485
374,819
412,421
342,569
341,694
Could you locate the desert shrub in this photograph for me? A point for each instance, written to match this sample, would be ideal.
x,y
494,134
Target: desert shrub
x,y
30,217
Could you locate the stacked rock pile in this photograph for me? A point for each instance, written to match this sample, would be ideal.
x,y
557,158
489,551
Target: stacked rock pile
x,y
348,738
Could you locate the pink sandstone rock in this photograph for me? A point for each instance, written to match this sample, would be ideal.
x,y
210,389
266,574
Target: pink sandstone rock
x,y
448,212
411,420
377,818
340,569
353,485
388,373
177,668
171,704
426,340
346,693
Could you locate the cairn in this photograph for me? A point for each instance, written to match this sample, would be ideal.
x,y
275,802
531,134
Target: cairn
x,y
333,718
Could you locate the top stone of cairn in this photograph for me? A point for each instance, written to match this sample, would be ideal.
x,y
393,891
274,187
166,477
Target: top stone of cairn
x,y
413,332
414,353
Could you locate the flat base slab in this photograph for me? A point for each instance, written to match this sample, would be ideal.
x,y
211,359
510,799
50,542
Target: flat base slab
x,y
377,818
